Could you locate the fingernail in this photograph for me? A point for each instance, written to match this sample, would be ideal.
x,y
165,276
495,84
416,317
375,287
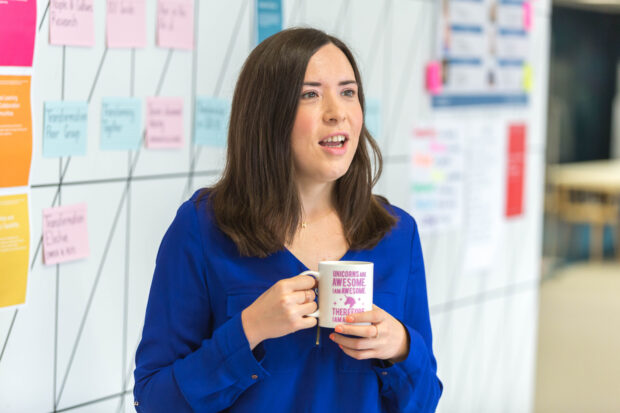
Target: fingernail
x,y
338,329
331,336
340,345
349,319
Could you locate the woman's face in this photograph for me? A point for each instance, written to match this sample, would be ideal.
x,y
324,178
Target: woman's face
x,y
329,118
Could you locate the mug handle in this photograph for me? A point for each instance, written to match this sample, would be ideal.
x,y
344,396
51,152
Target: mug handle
x,y
315,274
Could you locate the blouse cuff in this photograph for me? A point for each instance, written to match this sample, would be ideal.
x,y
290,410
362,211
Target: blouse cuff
x,y
235,363
412,366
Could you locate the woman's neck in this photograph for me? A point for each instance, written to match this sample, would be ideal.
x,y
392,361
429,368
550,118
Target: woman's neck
x,y
316,199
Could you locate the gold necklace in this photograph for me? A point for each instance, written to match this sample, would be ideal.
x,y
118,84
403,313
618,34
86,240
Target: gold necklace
x,y
304,224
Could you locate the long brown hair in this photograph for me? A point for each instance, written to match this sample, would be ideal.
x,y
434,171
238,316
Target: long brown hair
x,y
256,202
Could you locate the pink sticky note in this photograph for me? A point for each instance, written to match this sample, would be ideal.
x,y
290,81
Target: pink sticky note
x,y
72,22
175,24
527,15
126,23
18,22
164,122
433,77
65,234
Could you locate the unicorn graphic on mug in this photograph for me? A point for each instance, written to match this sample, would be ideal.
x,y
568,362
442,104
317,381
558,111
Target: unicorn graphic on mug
x,y
350,301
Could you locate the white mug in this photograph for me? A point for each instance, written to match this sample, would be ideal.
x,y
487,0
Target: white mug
x,y
345,287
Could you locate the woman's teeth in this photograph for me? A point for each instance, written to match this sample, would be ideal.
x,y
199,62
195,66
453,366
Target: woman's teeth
x,y
334,141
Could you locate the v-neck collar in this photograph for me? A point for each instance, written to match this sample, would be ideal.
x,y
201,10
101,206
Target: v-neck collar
x,y
304,267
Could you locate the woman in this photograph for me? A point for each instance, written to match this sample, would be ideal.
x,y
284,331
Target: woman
x,y
226,324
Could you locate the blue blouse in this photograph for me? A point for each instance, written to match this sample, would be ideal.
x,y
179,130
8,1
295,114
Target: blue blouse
x,y
194,355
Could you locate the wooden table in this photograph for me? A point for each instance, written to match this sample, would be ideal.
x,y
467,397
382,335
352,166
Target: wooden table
x,y
589,193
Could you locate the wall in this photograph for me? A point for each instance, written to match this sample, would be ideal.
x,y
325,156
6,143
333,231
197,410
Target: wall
x,y
77,335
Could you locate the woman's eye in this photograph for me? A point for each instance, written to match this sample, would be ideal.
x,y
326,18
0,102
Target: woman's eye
x,y
348,92
308,95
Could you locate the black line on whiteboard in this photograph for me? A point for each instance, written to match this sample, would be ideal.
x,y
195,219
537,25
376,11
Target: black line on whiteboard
x,y
58,185
133,178
99,400
192,149
44,14
163,73
92,88
8,334
229,49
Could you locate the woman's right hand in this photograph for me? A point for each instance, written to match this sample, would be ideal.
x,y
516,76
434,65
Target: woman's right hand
x,y
280,310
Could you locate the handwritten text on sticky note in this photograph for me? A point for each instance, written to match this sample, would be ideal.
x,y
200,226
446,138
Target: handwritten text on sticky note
x,y
72,22
121,123
175,24
126,23
65,234
164,122
211,121
65,127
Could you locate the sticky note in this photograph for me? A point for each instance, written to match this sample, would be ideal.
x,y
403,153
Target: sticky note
x,y
164,122
126,23
372,118
528,77
527,15
14,249
15,131
121,123
65,126
65,234
18,22
433,77
72,22
268,18
175,24
211,121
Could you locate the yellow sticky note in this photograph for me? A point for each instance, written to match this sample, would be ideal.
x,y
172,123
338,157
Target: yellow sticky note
x,y
528,78
14,249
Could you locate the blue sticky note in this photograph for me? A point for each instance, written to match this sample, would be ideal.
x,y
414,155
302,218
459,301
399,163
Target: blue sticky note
x,y
268,18
65,126
121,123
211,121
372,117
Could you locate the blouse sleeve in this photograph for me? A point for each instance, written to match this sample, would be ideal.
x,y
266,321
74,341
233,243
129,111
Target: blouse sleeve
x,y
182,363
412,384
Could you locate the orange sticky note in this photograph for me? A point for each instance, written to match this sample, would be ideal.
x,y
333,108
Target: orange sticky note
x,y
15,130
14,249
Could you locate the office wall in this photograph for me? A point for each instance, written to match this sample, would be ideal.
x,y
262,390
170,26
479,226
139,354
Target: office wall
x,y
72,345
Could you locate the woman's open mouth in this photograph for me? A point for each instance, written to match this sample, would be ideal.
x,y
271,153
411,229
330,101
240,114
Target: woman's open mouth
x,y
336,141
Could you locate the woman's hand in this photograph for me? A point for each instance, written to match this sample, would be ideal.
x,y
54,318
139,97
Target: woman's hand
x,y
385,339
280,310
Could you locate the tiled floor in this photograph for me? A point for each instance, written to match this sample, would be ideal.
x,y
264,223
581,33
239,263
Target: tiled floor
x,y
578,366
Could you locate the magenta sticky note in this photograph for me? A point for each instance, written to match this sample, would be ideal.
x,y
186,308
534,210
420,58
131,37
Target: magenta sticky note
x,y
527,15
126,23
18,22
433,77
175,24
164,122
65,234
72,22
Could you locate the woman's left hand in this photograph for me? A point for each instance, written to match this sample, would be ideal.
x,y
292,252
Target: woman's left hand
x,y
385,338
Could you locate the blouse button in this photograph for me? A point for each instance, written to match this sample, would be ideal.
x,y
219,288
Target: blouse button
x,y
384,373
254,376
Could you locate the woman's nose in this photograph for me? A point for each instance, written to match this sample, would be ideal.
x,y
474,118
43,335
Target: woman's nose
x,y
334,110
